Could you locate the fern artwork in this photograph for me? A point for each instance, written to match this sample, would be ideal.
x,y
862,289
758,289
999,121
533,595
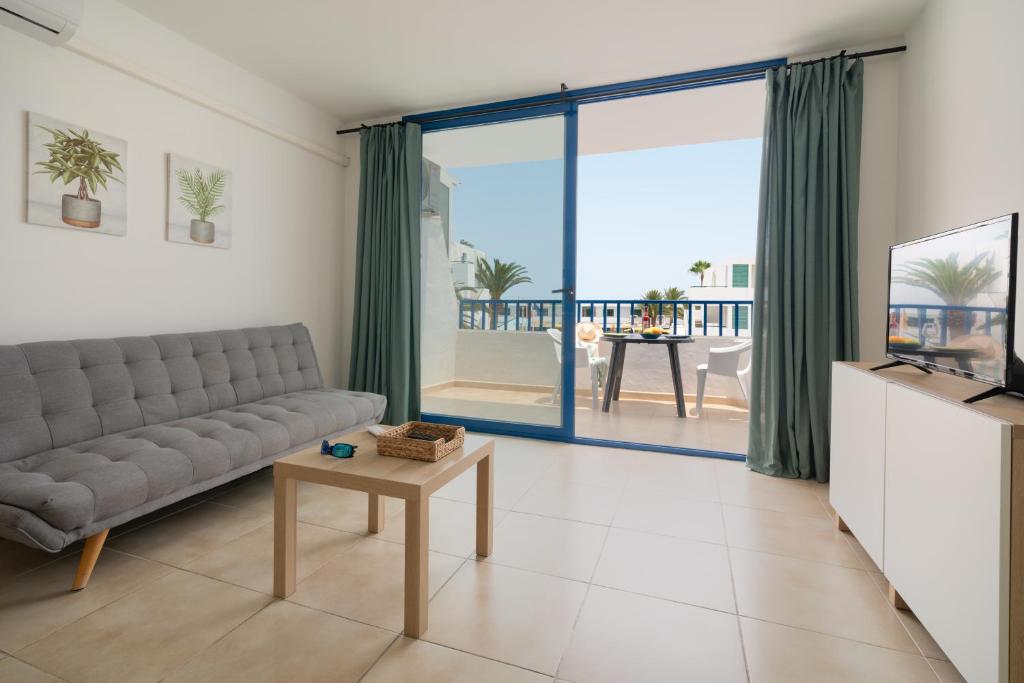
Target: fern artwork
x,y
76,177
199,203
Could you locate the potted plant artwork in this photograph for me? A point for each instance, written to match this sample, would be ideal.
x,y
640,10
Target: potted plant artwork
x,y
75,156
201,195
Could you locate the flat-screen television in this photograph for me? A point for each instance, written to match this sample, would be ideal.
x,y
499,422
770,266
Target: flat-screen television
x,y
953,301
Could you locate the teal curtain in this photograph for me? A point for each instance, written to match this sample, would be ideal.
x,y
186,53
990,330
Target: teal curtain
x,y
805,295
386,323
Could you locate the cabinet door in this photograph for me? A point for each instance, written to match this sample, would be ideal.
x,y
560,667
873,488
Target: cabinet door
x,y
947,519
857,481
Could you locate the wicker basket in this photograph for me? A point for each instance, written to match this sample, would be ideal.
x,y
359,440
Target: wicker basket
x,y
396,444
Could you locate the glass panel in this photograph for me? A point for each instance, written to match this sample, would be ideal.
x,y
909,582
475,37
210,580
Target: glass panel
x,y
492,231
667,207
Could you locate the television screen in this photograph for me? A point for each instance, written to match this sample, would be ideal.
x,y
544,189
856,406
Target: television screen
x,y
949,298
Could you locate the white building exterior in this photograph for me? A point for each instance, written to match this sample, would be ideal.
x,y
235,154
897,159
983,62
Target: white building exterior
x,y
729,280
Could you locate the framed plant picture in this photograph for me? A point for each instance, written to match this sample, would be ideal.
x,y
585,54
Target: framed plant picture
x,y
77,177
198,203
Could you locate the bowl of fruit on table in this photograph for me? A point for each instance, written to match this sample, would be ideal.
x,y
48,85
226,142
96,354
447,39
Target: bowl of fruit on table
x,y
897,343
651,332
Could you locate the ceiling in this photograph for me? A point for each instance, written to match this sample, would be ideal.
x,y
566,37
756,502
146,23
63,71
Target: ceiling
x,y
367,60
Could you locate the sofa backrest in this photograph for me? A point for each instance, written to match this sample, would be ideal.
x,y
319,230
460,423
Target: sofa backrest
x,y
56,393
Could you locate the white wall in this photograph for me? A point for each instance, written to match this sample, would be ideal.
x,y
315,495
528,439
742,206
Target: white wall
x,y
961,147
878,192
290,259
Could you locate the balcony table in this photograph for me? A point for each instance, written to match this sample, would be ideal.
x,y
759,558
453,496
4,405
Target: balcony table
x,y
618,357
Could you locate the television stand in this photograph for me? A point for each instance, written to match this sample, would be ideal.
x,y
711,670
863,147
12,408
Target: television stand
x,y
994,391
897,363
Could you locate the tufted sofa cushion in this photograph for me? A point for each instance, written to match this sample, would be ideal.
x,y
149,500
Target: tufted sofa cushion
x,y
54,394
72,486
92,430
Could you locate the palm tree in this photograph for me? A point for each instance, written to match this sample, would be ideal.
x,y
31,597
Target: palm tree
x,y
649,295
698,269
498,279
956,285
675,294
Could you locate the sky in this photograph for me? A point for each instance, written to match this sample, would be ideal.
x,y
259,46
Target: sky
x,y
643,217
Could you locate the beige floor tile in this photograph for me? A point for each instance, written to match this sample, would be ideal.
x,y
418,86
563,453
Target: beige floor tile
x,y
946,672
338,508
680,476
660,514
249,561
780,654
452,527
16,558
816,596
184,536
508,489
514,616
254,492
677,569
526,457
14,671
865,560
804,536
746,488
570,500
40,602
366,583
289,642
592,465
918,633
627,637
148,634
417,660
547,545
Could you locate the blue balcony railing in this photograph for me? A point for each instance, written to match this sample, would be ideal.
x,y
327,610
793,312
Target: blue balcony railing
x,y
932,320
702,317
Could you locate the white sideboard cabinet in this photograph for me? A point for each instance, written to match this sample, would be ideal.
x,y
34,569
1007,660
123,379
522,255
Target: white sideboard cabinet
x,y
929,487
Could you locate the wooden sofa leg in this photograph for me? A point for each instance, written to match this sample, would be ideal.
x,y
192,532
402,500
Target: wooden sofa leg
x,y
91,553
840,524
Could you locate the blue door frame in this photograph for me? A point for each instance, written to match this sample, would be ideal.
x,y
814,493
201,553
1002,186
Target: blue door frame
x,y
566,104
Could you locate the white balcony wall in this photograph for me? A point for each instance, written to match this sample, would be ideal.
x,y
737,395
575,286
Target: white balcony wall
x,y
440,312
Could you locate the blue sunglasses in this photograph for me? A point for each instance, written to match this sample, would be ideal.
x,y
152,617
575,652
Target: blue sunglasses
x,y
338,450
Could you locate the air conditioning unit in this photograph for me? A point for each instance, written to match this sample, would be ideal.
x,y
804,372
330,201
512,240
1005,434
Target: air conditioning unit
x,y
51,21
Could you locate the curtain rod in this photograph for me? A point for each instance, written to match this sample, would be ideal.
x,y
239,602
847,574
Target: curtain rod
x,y
652,88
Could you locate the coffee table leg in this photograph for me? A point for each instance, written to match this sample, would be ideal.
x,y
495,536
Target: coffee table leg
x,y
376,516
285,529
484,506
417,534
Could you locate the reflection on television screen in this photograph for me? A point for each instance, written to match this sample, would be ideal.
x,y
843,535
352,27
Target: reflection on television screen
x,y
948,298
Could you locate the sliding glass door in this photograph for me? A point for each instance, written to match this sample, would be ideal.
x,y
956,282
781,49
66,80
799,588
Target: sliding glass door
x,y
497,291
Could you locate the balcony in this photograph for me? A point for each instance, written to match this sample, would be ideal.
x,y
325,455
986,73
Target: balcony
x,y
495,360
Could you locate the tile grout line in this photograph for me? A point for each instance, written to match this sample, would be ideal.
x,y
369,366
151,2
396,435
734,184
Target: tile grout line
x,y
732,579
101,607
586,596
37,668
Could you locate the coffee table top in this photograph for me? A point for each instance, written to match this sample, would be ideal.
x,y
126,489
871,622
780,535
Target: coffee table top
x,y
381,474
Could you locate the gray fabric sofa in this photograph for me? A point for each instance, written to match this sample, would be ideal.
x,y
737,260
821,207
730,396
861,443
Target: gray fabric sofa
x,y
97,432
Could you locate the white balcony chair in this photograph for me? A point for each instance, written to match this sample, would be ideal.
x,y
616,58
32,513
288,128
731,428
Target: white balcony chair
x,y
725,361
586,356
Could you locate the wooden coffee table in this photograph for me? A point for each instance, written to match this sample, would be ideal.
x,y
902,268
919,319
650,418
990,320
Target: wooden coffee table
x,y
381,476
